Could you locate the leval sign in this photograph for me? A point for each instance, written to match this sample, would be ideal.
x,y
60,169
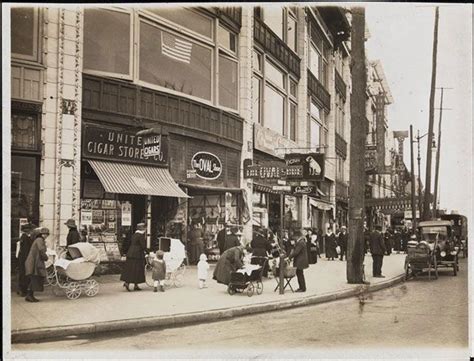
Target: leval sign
x,y
206,165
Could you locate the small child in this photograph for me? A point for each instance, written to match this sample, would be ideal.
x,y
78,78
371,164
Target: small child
x,y
202,267
159,271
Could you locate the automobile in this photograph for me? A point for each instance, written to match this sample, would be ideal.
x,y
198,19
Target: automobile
x,y
439,236
459,226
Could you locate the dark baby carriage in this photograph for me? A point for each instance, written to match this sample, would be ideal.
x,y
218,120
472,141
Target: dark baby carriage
x,y
245,282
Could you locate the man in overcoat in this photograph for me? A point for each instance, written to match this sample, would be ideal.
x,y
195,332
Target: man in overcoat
x,y
73,236
299,255
230,261
232,240
35,268
377,249
342,242
26,240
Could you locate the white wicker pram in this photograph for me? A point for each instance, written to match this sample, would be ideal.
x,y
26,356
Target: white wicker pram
x,y
175,265
73,276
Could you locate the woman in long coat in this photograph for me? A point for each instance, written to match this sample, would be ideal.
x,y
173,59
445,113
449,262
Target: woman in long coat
x,y
134,268
331,244
260,246
230,261
26,240
35,268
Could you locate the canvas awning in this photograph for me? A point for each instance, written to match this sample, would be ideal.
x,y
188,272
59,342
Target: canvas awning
x,y
136,179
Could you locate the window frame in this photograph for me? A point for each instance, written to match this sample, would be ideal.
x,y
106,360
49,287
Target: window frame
x,y
321,121
131,65
218,79
37,35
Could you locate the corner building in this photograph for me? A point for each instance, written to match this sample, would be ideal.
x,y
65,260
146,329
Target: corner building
x,y
221,87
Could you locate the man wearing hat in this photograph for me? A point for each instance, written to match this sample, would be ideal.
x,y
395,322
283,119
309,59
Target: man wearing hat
x,y
134,268
342,242
232,240
73,236
26,240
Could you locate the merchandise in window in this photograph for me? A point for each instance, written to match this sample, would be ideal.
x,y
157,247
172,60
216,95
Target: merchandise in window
x,y
274,109
188,18
24,32
174,62
228,81
107,41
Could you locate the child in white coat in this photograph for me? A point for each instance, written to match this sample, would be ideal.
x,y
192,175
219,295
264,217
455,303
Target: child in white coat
x,y
203,268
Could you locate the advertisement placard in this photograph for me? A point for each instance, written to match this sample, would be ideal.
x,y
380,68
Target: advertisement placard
x,y
126,214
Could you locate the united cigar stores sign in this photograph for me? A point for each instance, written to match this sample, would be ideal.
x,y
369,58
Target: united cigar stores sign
x,y
123,145
206,165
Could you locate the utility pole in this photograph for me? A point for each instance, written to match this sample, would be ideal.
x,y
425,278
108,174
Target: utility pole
x,y
420,200
282,259
427,198
355,246
413,195
438,155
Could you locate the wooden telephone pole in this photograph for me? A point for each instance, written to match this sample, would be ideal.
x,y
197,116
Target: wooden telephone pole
x,y
355,246
427,200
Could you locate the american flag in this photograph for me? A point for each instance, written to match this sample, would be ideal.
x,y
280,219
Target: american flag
x,y
175,48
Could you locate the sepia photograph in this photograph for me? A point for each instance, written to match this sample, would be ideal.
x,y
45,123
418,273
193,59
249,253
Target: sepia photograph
x,y
288,180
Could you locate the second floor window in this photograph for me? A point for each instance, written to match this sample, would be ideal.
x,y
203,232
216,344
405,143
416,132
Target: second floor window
x,y
25,33
317,127
283,22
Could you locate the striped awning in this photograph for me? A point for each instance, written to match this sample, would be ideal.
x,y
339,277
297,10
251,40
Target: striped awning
x,y
136,179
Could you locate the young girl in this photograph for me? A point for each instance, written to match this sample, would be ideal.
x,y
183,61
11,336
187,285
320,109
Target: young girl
x,y
159,271
203,267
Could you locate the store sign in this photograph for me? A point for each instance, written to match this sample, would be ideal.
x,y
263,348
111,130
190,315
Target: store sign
x,y
303,190
125,146
206,165
282,188
152,145
312,165
272,171
271,142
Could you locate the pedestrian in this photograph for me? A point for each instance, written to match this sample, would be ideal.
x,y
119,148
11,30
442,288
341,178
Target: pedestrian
x,y
300,259
230,261
319,239
203,268
342,242
24,246
311,247
73,236
397,237
134,267
260,246
159,271
405,239
377,249
388,242
35,268
331,245
366,239
221,235
196,244
232,240
315,245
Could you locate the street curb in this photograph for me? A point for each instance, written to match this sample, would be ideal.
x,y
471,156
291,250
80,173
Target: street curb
x,y
196,317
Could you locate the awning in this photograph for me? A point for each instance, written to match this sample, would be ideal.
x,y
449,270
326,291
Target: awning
x,y
136,179
319,204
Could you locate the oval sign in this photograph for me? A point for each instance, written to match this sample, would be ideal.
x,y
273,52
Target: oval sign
x,y
206,165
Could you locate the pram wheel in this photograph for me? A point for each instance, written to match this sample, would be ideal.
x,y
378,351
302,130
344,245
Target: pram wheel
x,y
250,289
259,288
51,276
230,290
91,288
73,290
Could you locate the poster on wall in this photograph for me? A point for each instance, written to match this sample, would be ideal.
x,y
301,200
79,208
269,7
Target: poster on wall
x,y
126,214
108,204
86,217
98,216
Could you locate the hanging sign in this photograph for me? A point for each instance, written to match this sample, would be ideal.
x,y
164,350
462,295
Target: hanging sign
x,y
312,165
206,165
126,214
303,189
152,145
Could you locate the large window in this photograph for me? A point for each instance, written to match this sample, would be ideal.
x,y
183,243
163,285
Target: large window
x,y
179,49
318,130
274,110
24,33
318,56
340,115
175,63
340,168
107,41
282,21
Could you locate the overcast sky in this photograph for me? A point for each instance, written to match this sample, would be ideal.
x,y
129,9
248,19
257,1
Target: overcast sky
x,y
401,36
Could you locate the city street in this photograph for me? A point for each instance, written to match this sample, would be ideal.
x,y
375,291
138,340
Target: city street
x,y
418,313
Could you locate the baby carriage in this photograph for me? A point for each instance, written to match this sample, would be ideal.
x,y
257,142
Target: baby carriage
x,y
248,279
174,258
73,276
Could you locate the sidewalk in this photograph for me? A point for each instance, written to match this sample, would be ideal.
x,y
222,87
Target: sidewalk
x,y
113,308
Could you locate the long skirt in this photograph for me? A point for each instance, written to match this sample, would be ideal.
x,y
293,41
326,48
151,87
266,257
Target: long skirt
x,y
133,271
36,283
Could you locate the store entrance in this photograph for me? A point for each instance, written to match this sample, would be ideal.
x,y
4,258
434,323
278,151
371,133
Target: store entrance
x,y
274,217
138,210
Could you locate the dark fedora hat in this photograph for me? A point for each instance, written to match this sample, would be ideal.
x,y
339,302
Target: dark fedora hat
x,y
71,223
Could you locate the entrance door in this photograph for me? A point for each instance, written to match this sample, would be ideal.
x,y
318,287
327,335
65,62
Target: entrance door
x,y
138,210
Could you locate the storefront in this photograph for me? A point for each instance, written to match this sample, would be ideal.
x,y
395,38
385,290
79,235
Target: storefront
x,y
25,167
121,186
